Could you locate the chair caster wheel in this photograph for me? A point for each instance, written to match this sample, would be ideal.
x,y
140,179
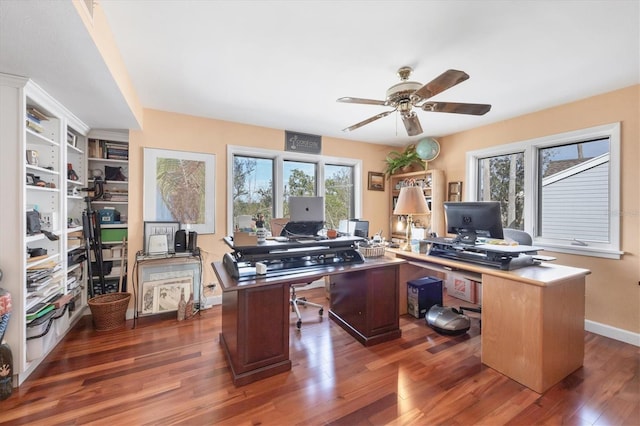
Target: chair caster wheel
x,y
321,311
299,324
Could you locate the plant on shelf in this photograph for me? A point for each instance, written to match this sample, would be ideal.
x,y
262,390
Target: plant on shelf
x,y
403,161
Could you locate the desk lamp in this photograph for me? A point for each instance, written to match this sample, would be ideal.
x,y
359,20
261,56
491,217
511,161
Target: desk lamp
x,y
410,201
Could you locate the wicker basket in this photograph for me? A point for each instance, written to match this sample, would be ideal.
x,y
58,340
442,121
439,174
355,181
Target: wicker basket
x,y
371,251
109,310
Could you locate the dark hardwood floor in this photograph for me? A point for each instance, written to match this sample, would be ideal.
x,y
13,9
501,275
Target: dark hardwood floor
x,y
169,372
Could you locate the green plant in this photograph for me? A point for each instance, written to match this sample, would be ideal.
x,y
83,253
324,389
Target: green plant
x,y
398,160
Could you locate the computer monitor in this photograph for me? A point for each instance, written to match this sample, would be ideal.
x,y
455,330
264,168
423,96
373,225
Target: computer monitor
x,y
472,219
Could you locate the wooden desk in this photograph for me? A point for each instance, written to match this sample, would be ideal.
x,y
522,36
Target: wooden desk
x,y
255,313
532,317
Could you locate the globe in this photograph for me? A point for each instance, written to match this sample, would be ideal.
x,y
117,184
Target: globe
x,y
428,149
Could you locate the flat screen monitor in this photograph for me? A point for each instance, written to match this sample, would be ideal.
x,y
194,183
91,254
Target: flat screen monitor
x,y
472,219
306,209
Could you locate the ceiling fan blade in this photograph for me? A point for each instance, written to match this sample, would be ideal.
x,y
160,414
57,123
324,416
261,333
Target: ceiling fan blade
x,y
367,121
441,83
456,108
412,124
350,100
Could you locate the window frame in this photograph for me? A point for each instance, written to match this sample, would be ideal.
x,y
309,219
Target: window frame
x,y
278,158
530,148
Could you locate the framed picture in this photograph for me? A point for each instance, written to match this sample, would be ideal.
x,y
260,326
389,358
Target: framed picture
x,y
455,191
160,282
164,295
376,181
160,228
179,186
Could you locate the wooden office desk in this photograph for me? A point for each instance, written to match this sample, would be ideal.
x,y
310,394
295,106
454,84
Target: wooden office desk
x,y
532,317
255,313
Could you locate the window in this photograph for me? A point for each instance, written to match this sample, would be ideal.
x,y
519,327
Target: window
x,y
263,181
563,189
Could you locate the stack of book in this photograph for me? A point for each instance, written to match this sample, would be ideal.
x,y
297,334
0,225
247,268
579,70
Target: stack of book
x,y
35,118
118,195
111,150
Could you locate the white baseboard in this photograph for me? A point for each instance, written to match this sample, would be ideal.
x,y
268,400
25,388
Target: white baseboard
x,y
612,332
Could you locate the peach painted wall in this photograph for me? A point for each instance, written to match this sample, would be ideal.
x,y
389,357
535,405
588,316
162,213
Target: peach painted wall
x,y
166,130
613,290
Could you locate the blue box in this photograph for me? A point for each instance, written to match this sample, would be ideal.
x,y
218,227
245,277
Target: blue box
x,y
109,216
422,294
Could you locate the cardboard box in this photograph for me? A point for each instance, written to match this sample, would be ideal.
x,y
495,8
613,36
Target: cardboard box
x,y
461,287
422,294
245,239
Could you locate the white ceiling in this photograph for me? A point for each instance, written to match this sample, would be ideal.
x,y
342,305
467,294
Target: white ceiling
x,y
283,64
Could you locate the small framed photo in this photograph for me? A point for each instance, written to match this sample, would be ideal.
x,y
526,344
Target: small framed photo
x,y
376,181
160,228
455,191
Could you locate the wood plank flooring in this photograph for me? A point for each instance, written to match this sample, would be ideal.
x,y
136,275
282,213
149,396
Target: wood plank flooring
x,y
168,372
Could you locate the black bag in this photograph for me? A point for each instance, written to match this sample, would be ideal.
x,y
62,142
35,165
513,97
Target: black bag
x,y
114,173
33,222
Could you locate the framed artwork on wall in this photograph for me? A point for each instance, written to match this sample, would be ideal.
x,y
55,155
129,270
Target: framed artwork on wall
x,y
455,191
179,186
376,181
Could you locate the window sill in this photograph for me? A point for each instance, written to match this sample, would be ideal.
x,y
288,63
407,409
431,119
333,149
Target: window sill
x,y
581,251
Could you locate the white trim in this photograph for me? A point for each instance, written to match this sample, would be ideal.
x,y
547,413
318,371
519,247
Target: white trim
x,y
279,157
612,332
530,148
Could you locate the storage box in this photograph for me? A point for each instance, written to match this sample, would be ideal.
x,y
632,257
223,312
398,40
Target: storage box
x,y
115,234
422,294
461,287
109,216
38,346
245,239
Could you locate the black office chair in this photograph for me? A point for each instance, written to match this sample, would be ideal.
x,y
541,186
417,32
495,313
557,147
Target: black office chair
x,y
520,237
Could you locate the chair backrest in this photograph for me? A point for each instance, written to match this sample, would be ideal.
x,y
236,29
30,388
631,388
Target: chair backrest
x,y
277,224
520,237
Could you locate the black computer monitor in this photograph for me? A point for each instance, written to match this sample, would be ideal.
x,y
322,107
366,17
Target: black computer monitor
x,y
472,219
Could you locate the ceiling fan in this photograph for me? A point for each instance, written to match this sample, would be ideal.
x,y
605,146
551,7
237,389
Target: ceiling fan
x,y
406,95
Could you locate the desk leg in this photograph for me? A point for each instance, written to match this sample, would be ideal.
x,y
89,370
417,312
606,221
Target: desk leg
x,y
255,332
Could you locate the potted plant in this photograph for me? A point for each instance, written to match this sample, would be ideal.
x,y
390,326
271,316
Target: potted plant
x,y
403,161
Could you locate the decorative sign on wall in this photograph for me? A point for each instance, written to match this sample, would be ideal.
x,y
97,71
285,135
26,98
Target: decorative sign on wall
x,y
302,142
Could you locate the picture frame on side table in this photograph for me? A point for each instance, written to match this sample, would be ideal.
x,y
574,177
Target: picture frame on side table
x,y
180,186
160,228
376,181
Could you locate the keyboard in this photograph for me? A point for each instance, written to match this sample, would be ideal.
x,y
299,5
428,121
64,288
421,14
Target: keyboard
x,y
441,240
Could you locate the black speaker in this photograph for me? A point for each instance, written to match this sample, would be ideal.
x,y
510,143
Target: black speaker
x,y
180,241
193,241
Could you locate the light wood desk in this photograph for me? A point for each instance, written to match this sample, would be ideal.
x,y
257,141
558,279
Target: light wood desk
x,y
532,317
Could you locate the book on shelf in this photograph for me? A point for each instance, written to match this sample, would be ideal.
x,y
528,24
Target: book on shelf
x,y
34,126
111,150
35,112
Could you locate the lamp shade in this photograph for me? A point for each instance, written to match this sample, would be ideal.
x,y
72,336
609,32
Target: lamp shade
x,y
411,201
